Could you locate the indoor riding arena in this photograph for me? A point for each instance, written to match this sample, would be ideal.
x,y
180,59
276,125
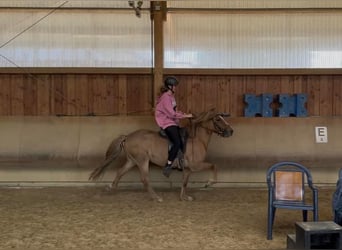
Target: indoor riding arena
x,y
79,81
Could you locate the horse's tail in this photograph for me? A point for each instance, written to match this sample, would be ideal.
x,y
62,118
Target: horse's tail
x,y
112,153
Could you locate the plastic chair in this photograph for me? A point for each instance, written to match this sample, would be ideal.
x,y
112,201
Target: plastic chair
x,y
337,200
287,183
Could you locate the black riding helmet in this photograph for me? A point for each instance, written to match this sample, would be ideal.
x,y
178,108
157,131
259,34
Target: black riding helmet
x,y
170,81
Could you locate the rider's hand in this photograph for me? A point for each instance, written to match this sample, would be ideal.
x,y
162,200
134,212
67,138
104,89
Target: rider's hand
x,y
189,115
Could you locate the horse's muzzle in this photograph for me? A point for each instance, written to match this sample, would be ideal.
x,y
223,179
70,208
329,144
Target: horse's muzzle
x,y
227,133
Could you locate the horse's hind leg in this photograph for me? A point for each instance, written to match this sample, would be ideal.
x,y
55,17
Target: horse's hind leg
x,y
120,172
144,167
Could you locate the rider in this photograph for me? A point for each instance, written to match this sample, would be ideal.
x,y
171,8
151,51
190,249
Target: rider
x,y
167,117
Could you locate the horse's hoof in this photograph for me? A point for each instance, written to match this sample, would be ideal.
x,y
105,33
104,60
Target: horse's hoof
x,y
187,198
206,188
108,188
159,199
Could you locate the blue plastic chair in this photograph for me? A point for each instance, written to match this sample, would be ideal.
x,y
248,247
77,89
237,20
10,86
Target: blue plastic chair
x,y
287,183
337,200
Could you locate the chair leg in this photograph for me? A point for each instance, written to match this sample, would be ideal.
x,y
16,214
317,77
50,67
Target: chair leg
x,y
305,215
271,215
315,214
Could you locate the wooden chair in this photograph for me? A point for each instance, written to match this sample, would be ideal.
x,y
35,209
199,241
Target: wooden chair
x,y
287,183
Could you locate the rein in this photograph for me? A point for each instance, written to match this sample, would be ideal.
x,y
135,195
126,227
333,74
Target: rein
x,y
217,130
209,129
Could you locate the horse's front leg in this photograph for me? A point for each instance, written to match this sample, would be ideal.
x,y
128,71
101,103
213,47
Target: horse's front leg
x,y
214,179
206,166
199,166
183,195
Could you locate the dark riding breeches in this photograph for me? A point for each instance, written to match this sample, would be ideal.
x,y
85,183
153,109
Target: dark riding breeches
x,y
173,133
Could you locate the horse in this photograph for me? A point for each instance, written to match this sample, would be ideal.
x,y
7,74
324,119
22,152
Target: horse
x,y
142,147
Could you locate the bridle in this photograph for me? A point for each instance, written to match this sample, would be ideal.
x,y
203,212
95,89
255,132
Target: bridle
x,y
217,129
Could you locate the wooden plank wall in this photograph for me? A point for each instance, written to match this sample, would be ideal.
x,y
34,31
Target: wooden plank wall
x,y
75,94
124,94
198,93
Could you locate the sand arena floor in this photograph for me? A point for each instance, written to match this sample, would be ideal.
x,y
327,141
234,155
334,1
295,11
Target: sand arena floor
x,y
92,218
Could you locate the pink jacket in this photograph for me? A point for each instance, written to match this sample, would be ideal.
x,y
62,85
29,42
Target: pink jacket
x,y
166,113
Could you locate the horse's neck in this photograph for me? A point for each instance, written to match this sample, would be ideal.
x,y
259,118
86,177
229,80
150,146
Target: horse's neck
x,y
203,136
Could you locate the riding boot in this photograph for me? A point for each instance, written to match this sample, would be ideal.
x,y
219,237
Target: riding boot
x,y
167,170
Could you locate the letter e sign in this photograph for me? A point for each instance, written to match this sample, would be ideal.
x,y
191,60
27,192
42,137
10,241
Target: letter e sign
x,y
321,134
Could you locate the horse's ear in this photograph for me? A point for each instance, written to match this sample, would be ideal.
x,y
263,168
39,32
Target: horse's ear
x,y
204,116
224,114
199,118
212,112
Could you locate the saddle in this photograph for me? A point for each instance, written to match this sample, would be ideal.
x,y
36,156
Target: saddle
x,y
179,162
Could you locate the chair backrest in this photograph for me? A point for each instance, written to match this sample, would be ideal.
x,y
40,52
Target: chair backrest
x,y
287,180
289,185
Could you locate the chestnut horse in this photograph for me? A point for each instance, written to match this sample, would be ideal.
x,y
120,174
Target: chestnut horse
x,y
142,147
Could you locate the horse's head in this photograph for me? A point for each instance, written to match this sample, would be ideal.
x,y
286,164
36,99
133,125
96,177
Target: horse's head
x,y
214,122
222,127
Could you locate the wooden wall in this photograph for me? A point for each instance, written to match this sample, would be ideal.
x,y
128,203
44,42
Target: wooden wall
x,y
226,92
74,94
132,94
